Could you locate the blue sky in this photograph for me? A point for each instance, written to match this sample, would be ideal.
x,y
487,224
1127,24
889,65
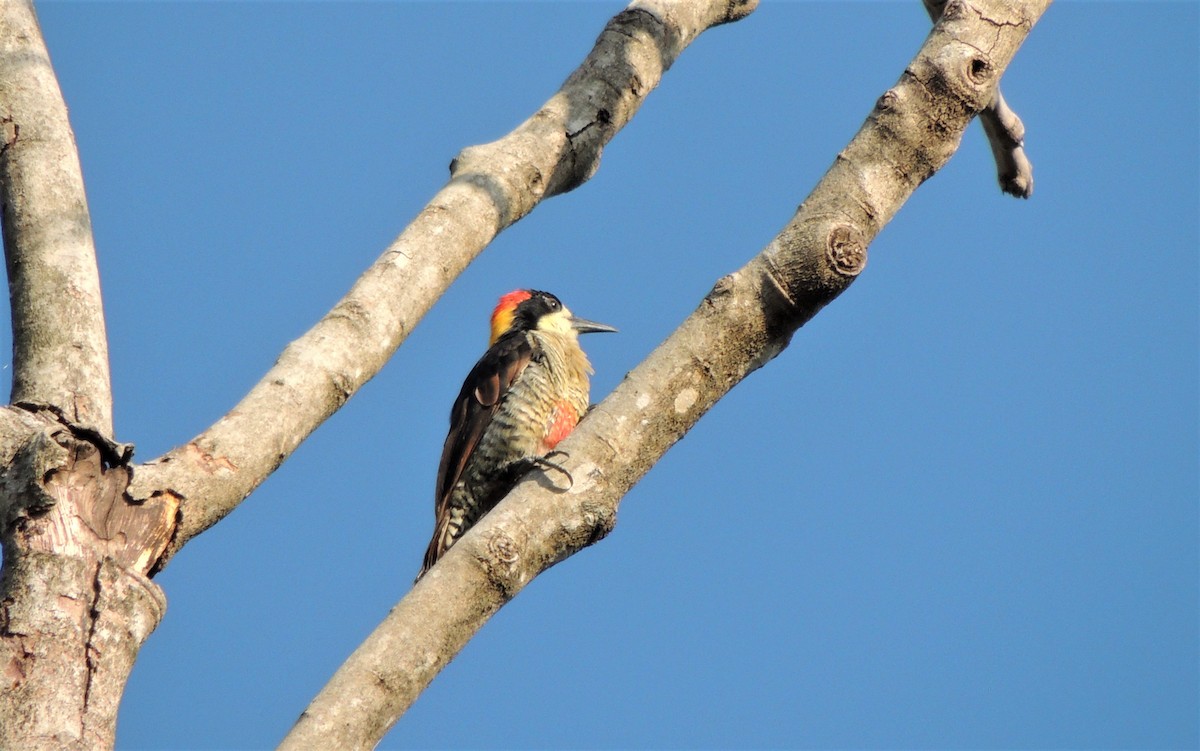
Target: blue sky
x,y
960,511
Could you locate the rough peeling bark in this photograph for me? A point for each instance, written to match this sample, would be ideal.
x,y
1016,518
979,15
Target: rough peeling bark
x,y
75,601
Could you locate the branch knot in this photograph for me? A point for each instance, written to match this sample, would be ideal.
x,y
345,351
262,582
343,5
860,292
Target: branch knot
x,y
846,250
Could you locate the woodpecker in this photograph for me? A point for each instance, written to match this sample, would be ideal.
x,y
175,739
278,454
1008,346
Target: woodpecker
x,y
524,395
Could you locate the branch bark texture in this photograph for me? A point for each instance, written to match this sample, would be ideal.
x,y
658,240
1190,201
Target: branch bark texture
x,y
491,186
1005,133
744,322
60,351
75,604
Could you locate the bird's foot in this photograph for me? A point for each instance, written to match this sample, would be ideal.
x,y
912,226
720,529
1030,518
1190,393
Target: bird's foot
x,y
546,464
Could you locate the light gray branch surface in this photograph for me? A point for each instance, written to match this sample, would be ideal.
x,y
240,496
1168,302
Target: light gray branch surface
x,y
60,351
745,321
1005,133
75,604
491,186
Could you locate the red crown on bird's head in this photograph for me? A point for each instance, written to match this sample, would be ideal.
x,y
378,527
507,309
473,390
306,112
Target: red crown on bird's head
x,y
502,316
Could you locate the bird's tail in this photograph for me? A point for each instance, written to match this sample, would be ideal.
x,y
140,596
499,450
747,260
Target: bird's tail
x,y
443,538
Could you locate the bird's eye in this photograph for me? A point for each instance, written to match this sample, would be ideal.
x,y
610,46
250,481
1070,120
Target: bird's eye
x,y
553,303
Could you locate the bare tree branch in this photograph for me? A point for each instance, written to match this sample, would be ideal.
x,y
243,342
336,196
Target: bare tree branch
x,y
82,652
745,321
60,351
491,186
1005,133
75,605
78,542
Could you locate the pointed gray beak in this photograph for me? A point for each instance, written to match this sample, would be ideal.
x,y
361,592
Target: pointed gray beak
x,y
584,326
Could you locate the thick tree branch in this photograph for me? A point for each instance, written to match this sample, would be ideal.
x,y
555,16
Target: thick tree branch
x,y
60,351
491,186
65,667
1005,133
75,604
745,321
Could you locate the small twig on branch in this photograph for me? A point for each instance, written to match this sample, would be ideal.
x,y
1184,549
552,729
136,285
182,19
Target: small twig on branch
x,y
491,186
745,321
1005,132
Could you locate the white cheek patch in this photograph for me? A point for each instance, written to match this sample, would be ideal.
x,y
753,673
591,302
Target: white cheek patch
x,y
558,323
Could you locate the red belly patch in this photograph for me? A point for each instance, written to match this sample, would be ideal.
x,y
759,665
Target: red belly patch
x,y
563,419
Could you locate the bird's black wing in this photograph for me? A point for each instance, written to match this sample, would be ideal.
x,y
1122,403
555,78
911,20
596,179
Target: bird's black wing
x,y
478,401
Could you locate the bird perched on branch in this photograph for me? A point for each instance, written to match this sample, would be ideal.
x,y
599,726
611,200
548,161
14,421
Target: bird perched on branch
x,y
524,395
